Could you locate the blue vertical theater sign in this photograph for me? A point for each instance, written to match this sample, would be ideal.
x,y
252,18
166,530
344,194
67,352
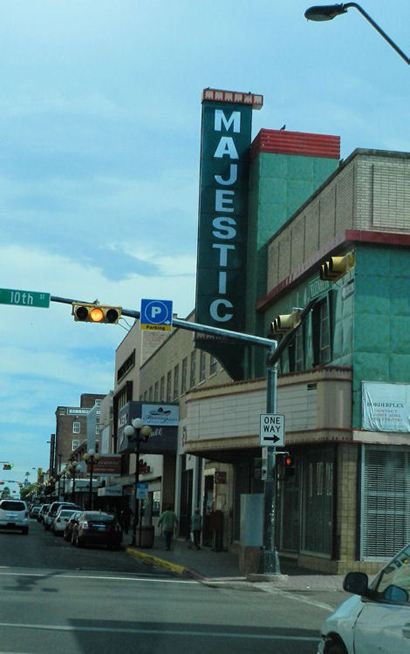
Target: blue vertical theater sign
x,y
223,214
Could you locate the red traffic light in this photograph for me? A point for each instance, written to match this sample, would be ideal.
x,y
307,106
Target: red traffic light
x,y
289,466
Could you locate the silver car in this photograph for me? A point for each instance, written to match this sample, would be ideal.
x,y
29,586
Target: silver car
x,y
14,515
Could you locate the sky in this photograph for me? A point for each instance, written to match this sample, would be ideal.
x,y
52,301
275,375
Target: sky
x,y
100,109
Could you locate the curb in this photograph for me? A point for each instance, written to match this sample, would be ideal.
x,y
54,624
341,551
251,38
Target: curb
x,y
155,560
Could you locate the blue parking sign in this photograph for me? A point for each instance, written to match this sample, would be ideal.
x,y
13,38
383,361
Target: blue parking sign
x,y
156,315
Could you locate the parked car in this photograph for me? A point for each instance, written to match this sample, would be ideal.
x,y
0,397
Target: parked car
x,y
52,512
97,528
377,618
61,519
73,520
34,510
43,510
14,515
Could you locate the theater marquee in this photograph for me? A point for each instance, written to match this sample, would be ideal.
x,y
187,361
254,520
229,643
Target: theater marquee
x,y
223,214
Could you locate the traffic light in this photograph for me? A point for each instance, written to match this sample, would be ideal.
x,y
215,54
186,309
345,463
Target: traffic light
x,y
7,466
335,267
285,322
289,466
96,313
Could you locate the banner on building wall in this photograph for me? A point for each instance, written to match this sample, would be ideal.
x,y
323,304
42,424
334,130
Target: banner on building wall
x,y
163,418
223,214
386,407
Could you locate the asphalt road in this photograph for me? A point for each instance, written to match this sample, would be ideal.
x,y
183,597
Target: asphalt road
x,y
56,598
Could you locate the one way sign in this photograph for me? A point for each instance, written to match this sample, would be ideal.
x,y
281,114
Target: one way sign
x,y
272,430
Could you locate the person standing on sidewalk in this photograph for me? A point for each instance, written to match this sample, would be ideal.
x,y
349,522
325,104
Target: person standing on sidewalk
x,y
168,521
196,527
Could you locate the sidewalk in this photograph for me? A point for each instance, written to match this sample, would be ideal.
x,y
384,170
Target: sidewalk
x,y
222,568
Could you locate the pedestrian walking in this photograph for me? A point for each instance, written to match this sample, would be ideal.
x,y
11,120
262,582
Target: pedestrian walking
x,y
196,528
168,521
125,519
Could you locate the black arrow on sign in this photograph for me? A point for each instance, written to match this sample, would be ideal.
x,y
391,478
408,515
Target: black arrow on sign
x,y
271,438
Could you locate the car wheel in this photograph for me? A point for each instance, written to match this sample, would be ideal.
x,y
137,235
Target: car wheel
x,y
25,531
335,647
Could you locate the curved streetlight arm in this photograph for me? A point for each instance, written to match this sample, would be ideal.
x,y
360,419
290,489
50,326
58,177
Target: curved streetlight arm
x,y
379,29
327,12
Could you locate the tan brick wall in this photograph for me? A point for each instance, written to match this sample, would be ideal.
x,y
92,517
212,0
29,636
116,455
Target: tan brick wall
x,y
371,192
346,526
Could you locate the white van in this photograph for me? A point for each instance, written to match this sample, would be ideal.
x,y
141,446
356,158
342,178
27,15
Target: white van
x,y
14,515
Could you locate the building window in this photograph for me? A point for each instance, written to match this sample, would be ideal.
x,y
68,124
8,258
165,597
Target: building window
x,y
74,444
150,394
162,390
126,366
184,374
176,382
296,351
76,427
321,334
213,364
156,391
192,377
169,384
202,366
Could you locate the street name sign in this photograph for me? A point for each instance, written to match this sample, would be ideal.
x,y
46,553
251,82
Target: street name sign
x,y
272,430
156,315
20,298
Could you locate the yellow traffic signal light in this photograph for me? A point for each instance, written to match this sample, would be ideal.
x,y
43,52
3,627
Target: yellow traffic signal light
x,y
335,267
285,322
96,313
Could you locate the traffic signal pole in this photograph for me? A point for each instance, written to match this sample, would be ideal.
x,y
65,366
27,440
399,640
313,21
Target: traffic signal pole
x,y
269,564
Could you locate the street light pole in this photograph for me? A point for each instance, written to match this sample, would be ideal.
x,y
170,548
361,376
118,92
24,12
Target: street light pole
x,y
134,432
328,12
91,458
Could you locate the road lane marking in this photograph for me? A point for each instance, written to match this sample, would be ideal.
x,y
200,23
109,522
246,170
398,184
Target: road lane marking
x,y
98,577
157,632
301,598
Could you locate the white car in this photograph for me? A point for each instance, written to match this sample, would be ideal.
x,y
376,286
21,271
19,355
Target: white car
x,y
14,515
377,618
61,519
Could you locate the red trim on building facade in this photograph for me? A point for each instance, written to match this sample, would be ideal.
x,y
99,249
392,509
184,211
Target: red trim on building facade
x,y
301,143
383,238
349,236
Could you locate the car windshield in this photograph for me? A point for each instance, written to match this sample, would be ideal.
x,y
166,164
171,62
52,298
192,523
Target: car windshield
x,y
98,517
396,573
11,505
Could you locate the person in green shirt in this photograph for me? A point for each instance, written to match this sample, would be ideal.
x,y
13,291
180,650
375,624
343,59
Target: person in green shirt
x,y
168,521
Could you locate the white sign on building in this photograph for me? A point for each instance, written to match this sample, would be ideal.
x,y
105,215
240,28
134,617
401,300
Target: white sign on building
x,y
385,407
